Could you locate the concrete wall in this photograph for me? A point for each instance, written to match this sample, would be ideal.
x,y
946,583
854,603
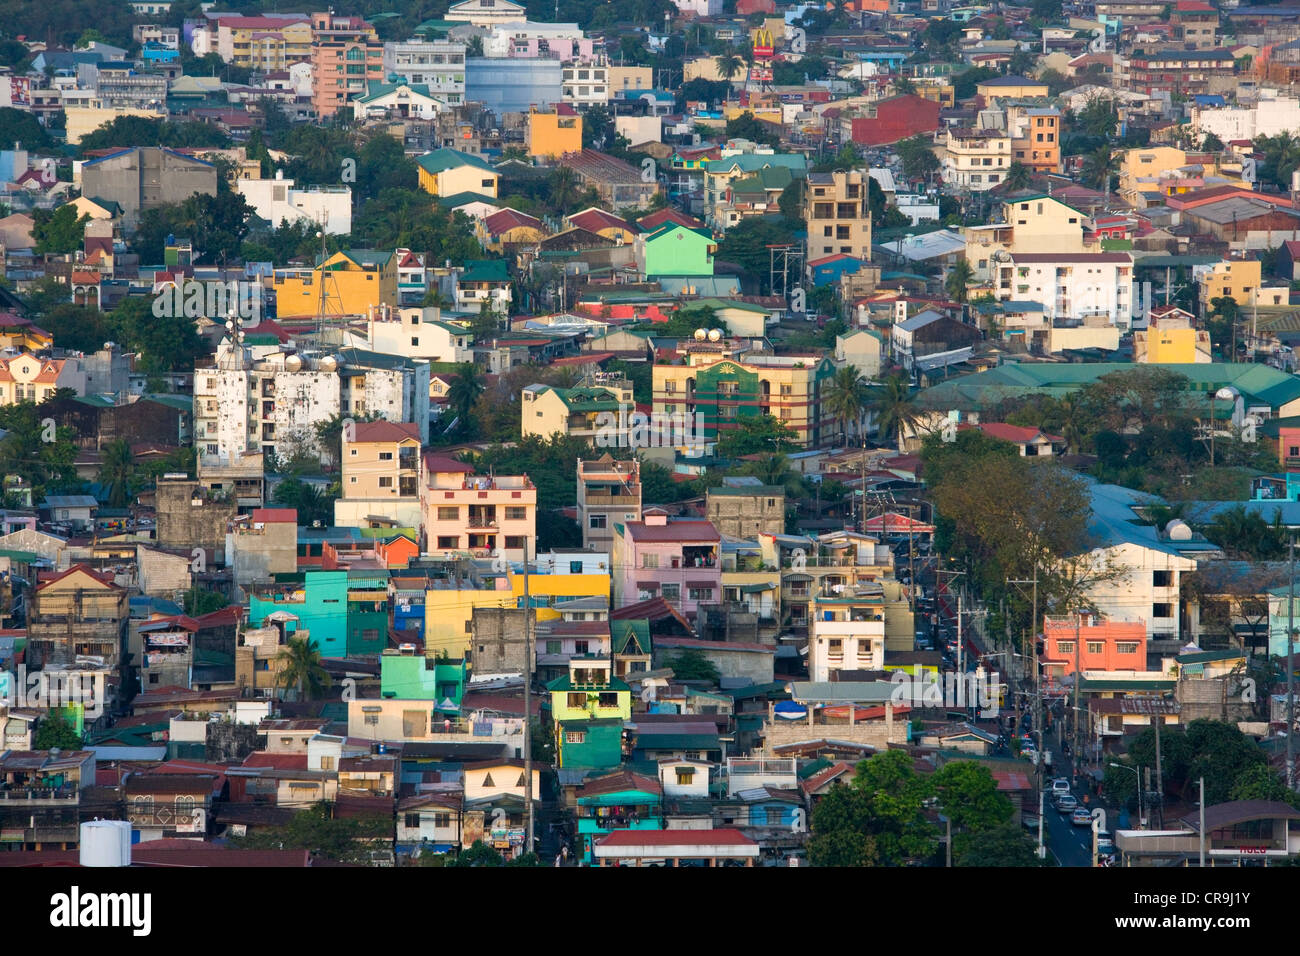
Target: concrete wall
x,y
498,642
162,574
754,665
186,522
145,178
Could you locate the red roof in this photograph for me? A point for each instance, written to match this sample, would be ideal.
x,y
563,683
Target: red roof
x,y
722,837
275,515
1016,434
441,464
673,531
277,761
502,222
595,220
385,431
106,579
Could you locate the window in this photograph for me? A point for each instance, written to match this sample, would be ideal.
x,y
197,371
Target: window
x,y
448,514
597,522
385,481
327,763
1096,647
701,594
448,542
1162,579
1065,647
412,821
685,776
1162,610
516,514
1126,647
575,567
577,701
649,560
672,592
575,736
554,647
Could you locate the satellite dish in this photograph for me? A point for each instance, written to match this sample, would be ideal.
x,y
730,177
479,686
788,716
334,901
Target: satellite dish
x,y
701,334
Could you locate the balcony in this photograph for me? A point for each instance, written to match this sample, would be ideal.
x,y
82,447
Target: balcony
x,y
24,794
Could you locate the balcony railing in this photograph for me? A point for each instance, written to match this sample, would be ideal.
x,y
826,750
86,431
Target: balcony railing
x,y
8,792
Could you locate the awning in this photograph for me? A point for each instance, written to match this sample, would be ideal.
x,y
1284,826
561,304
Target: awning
x,y
702,582
757,588
648,585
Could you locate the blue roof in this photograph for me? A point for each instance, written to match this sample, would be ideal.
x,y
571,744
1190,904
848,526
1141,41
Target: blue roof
x,y
1114,522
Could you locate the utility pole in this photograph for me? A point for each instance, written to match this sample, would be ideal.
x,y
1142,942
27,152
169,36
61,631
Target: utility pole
x,y
1157,720
960,672
528,707
1202,826
1078,679
1290,667
1038,696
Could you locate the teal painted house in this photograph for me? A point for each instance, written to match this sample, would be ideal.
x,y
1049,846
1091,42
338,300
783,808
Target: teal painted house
x,y
618,801
318,600
410,676
675,250
368,612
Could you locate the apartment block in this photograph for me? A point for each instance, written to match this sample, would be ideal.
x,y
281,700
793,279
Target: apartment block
x,y
380,476
1072,286
609,493
482,514
1035,137
837,214
676,560
1088,642
847,631
436,65
276,200
79,613
976,159
345,55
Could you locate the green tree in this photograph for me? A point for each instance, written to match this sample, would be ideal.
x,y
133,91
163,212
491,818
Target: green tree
x,y
894,408
302,669
1098,168
306,499
756,434
54,730
918,158
464,392
747,126
839,835
746,245
692,665
166,343
1222,324
198,601
730,66
1006,845
59,232
958,280
970,799
347,840
480,854
895,796
116,471
1261,782
1212,144
1018,177
847,398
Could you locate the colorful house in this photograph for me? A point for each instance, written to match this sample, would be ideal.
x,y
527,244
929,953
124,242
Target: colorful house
x,y
677,560
554,134
312,602
617,801
675,250
354,282
631,644
409,676
588,708
445,172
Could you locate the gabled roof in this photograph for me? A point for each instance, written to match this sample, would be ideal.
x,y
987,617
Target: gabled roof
x,y
594,220
441,160
503,221
386,431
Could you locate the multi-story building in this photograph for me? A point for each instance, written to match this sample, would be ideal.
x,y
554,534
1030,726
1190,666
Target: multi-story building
x,y
588,707
1237,279
345,56
1187,72
446,172
1029,224
838,215
1087,642
380,475
350,283
78,613
676,560
720,383
1071,286
27,378
486,13
1195,24
1171,337
276,200
586,82
416,332
847,631
42,794
552,134
1035,137
145,177
745,511
263,43
167,36
528,39
609,494
342,612
121,86
274,405
436,65
976,159
482,514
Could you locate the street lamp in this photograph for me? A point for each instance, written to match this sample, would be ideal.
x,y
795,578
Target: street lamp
x,y
1138,782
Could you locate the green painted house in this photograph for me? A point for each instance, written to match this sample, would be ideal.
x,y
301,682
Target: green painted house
x,y
409,676
675,250
617,801
588,708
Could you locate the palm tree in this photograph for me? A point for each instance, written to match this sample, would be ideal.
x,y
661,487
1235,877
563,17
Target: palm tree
x,y
847,398
729,65
1018,177
464,392
115,473
893,407
958,279
1099,166
563,187
302,669
903,86
775,470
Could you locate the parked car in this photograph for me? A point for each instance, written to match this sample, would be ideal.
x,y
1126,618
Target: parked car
x,y
1066,803
1081,817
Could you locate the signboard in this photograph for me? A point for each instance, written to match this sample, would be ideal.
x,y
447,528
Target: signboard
x,y
472,828
168,640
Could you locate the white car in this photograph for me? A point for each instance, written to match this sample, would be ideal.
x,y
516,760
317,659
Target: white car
x,y
1066,803
1061,785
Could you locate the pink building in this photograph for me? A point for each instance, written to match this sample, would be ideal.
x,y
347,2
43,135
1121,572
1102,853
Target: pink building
x,y
477,513
675,560
1103,644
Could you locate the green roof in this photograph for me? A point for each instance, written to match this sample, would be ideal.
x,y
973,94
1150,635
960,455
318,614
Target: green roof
x,y
763,180
485,270
623,632
564,684
750,491
585,399
376,88
465,198
441,160
1117,684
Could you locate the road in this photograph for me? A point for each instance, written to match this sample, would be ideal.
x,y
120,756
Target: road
x,y
1071,845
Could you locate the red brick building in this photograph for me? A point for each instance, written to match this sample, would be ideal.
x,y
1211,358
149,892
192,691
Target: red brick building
x,y
893,119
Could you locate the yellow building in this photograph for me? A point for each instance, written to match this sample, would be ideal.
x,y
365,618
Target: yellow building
x,y
380,475
1232,278
1170,339
446,172
1010,87
509,227
262,46
1029,224
26,378
630,78
82,120
551,135
449,610
937,89
349,283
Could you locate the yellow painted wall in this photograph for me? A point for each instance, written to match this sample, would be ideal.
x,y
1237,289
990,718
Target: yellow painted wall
x,y
551,135
462,179
349,290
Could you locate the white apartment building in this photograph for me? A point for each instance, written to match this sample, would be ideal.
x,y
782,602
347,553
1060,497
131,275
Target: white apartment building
x,y
585,84
437,65
976,159
273,406
1070,285
1271,114
276,199
846,633
417,333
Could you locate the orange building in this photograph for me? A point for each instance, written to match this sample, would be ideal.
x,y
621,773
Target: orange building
x,y
1102,645
346,54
